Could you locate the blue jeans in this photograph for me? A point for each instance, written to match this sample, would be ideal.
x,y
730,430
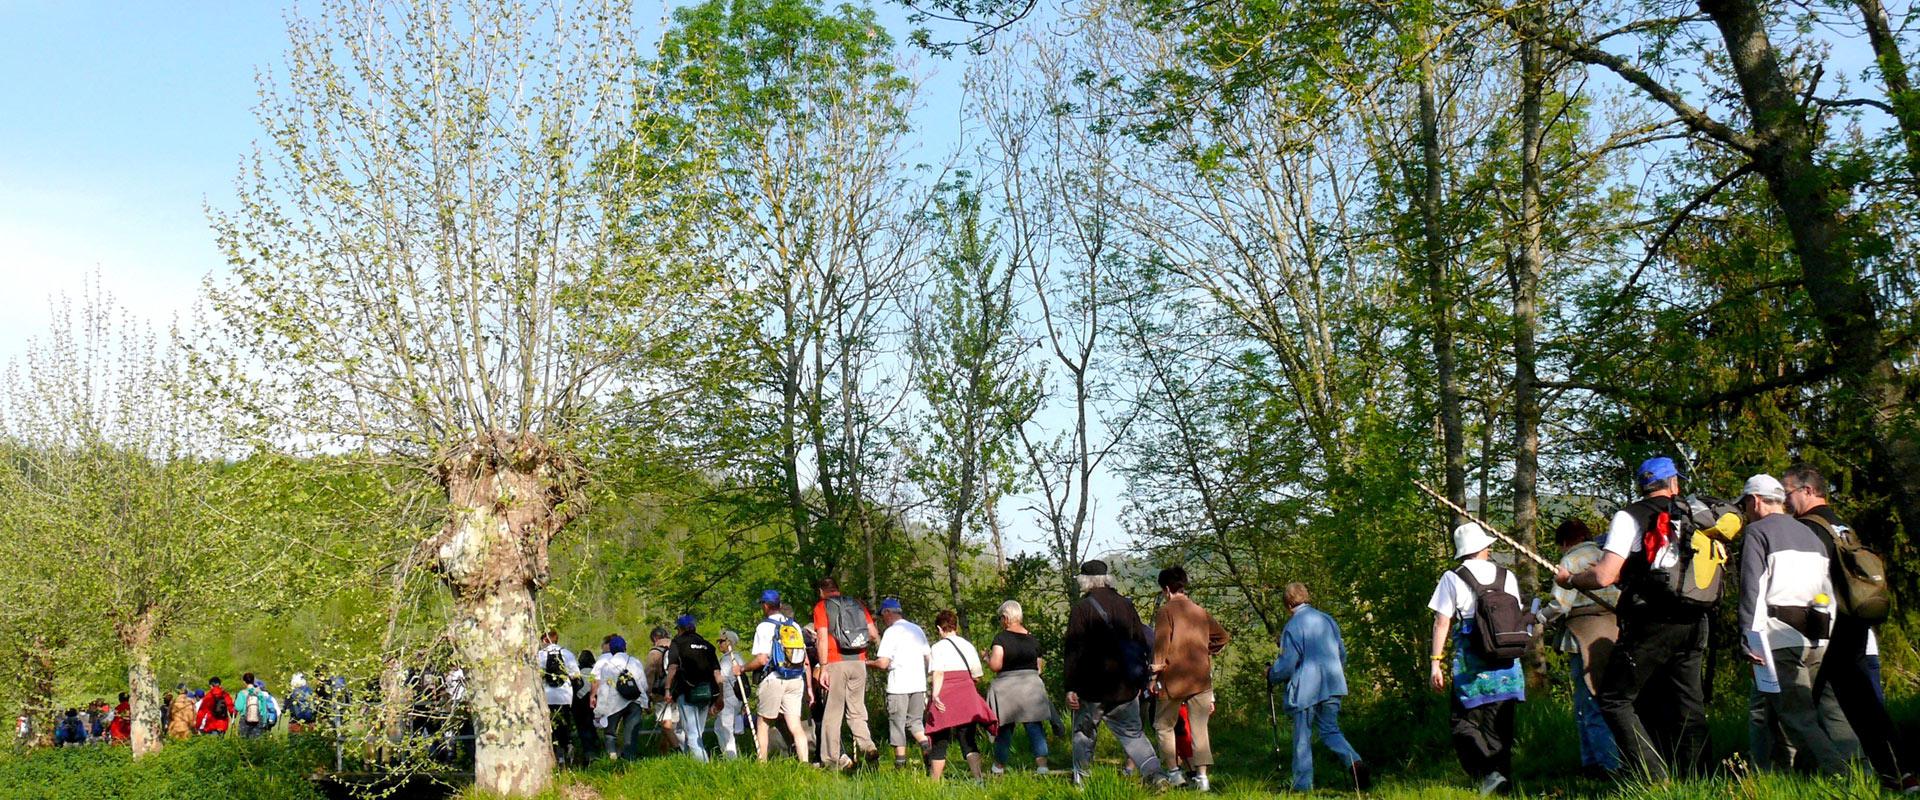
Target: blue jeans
x,y
1003,743
1597,748
1322,718
1871,665
693,729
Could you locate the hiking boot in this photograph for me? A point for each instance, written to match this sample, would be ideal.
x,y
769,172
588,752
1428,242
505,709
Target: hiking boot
x,y
870,756
899,762
1495,784
1174,778
1362,776
1909,784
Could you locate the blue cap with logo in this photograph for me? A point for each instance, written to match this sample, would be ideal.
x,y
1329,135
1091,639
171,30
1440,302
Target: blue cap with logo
x,y
770,597
1657,469
685,622
892,604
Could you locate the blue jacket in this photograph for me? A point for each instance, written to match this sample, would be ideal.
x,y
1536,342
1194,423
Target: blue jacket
x,y
1312,660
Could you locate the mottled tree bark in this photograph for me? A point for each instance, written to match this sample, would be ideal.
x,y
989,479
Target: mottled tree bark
x,y
508,495
143,687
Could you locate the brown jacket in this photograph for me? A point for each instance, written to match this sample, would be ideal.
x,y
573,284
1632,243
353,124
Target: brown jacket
x,y
180,717
1185,640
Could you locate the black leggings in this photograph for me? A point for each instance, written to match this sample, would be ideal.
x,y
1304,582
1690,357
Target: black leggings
x,y
969,740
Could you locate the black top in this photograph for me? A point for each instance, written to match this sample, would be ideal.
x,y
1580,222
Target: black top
x,y
696,662
1105,648
1017,651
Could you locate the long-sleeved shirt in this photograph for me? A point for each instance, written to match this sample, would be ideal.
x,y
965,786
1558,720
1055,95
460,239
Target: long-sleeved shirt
x,y
1782,563
1097,648
1185,640
1312,660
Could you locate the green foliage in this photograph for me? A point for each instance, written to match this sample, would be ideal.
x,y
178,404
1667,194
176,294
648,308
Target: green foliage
x,y
274,768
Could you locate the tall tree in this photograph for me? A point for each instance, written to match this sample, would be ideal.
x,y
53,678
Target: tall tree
x,y
423,274
969,365
115,511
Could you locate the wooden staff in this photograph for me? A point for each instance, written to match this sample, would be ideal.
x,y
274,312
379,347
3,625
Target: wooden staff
x,y
1521,548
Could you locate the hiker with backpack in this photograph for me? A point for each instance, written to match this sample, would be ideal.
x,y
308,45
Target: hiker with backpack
x,y
733,695
255,708
1786,614
1589,631
1488,682
1864,601
845,632
1669,582
1107,654
558,670
216,710
303,711
180,712
1313,664
586,734
623,698
1186,638
693,684
665,712
71,731
779,650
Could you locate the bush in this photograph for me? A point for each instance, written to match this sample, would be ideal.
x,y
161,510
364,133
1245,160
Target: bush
x,y
221,768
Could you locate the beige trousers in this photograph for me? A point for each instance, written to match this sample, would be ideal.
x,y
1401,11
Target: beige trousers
x,y
846,700
1166,717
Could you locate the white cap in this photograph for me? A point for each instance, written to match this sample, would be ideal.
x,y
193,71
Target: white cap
x,y
1765,487
1470,538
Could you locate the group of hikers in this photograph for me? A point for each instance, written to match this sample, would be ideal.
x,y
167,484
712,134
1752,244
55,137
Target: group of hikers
x,y
251,712
1632,606
1635,605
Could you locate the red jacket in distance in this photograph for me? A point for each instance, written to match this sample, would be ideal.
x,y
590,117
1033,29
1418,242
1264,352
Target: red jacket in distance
x,y
122,727
205,722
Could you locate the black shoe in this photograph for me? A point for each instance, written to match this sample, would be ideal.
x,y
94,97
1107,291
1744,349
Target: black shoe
x,y
1362,776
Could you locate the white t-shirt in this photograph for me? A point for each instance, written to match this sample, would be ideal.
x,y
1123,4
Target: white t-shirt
x,y
608,671
953,654
906,645
563,694
1454,598
1623,540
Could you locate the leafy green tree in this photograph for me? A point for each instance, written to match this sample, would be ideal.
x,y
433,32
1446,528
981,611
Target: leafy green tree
x,y
119,531
423,273
969,365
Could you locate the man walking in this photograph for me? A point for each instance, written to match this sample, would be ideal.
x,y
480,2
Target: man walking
x,y
1313,665
1785,613
558,668
1186,638
1107,659
844,632
1663,636
623,697
693,684
1843,670
903,655
781,650
1588,640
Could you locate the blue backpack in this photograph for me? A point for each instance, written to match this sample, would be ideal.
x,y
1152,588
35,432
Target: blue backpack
x,y
300,706
73,730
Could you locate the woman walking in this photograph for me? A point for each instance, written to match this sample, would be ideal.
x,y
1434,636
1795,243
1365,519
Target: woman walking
x,y
1017,697
955,709
1485,691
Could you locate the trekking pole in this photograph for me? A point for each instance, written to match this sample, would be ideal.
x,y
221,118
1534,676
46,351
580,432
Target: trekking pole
x,y
1517,546
1273,728
752,719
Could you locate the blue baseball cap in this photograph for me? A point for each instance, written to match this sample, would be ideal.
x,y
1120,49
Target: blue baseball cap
x,y
685,622
616,644
770,597
892,604
1657,469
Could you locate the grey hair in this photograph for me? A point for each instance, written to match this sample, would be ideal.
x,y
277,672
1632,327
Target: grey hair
x,y
1010,611
1089,583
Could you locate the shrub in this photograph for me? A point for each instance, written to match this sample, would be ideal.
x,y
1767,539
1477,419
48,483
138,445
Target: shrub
x,y
225,768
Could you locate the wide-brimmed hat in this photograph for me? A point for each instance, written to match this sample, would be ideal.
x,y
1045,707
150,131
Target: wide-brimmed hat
x,y
1470,538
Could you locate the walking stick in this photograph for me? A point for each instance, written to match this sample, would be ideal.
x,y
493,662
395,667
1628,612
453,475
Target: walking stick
x,y
752,719
1517,546
1273,729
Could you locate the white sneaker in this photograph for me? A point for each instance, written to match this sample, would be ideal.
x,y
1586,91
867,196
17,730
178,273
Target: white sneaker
x,y
1201,783
1042,771
999,770
1494,783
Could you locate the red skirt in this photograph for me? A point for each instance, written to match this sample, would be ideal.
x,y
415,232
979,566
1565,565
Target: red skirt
x,y
963,705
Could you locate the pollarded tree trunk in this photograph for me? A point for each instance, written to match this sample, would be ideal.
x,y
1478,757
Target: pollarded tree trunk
x,y
42,712
143,687
507,496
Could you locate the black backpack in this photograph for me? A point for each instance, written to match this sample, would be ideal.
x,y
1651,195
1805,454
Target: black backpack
x,y
218,711
628,688
1500,632
555,670
847,621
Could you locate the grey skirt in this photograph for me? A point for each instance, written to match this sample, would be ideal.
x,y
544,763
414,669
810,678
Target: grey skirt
x,y
1019,696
